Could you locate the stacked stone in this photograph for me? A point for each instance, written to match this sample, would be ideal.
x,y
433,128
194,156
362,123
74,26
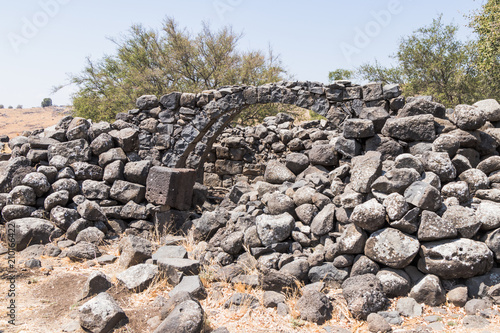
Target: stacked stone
x,y
394,206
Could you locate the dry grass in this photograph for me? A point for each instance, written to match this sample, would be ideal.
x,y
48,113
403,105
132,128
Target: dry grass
x,y
38,311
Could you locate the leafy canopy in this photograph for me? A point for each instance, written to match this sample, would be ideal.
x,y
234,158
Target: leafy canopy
x,y
171,59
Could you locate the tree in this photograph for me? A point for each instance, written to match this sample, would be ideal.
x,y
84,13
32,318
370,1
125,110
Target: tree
x,y
340,74
46,102
172,59
431,61
486,25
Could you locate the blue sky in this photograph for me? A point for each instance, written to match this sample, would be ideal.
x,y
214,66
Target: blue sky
x,y
41,41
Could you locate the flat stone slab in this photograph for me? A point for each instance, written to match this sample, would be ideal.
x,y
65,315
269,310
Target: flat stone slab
x,y
185,266
138,277
170,251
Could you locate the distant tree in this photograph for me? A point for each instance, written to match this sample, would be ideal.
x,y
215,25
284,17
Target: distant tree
x,y
340,74
10,107
431,61
1,106
46,102
19,106
379,73
486,25
172,59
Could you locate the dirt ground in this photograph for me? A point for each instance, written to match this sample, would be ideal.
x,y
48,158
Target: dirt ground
x,y
47,300
14,121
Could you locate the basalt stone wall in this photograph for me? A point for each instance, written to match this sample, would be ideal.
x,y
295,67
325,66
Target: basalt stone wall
x,y
406,190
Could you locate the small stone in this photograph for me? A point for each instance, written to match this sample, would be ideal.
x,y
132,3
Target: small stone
x,y
409,307
377,323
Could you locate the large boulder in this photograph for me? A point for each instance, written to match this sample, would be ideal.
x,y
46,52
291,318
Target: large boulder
x,y
314,306
369,216
413,128
453,259
392,248
364,295
278,173
274,228
101,314
28,231
468,117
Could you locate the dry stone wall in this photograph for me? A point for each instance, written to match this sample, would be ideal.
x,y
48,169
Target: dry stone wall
x,y
387,197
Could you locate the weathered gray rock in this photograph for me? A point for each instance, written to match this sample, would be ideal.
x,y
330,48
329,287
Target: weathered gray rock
x,y
63,217
297,162
271,299
395,206
324,221
422,106
369,216
463,219
83,251
29,231
66,184
392,247
433,227
13,212
394,282
280,203
101,314
358,128
325,155
440,164
377,323
191,285
138,277
306,212
488,214
71,151
458,295
185,266
327,273
458,258
476,179
365,169
59,198
364,295
278,173
467,117
134,250
409,307
22,195
274,228
124,191
395,180
489,108
95,190
424,196
314,306
96,283
352,240
362,265
429,291
90,235
90,210
38,181
137,172
413,128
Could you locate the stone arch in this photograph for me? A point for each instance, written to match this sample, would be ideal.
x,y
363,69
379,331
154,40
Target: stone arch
x,y
219,108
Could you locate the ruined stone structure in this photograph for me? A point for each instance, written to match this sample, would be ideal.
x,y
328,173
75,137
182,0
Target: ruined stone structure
x,y
387,197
